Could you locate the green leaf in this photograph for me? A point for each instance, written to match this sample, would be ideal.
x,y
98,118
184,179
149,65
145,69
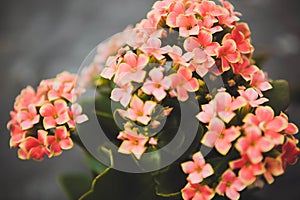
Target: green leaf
x,y
94,164
74,185
279,96
112,184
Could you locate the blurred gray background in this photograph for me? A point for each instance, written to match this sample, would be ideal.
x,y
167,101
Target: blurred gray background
x,y
40,38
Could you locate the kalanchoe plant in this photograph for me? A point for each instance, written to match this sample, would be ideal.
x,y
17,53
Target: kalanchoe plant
x,y
182,48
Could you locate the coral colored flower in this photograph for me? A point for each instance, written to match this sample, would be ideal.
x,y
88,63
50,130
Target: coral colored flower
x,y
140,111
122,94
260,82
254,144
29,117
54,114
197,192
183,82
247,170
252,97
201,62
175,10
265,120
188,25
273,167
158,84
28,96
132,143
34,148
244,68
76,116
204,41
60,141
291,128
132,69
230,185
197,169
17,136
228,54
290,152
242,44
153,47
219,137
209,9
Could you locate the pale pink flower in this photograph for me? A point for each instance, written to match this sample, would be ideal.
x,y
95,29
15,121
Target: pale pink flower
x,y
175,10
132,69
265,120
230,185
226,105
178,58
122,94
158,84
54,114
219,137
153,141
76,116
201,62
197,169
34,148
183,82
28,117
273,167
204,41
197,192
254,144
260,82
209,111
112,66
60,141
132,143
17,136
140,111
228,54
247,170
28,96
153,47
252,97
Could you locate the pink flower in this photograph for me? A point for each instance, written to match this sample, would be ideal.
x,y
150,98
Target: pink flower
x,y
209,9
153,141
265,120
132,143
188,25
54,114
177,57
158,84
76,116
230,185
197,192
175,10
34,148
291,128
201,62
243,44
225,105
153,47
28,96
273,167
228,54
17,136
208,112
132,69
252,98
254,144
183,82
244,68
28,118
197,169
260,82
248,170
204,41
112,66
122,94
140,111
61,140
219,137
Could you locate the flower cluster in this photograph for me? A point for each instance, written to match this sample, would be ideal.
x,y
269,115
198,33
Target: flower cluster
x,y
42,121
168,55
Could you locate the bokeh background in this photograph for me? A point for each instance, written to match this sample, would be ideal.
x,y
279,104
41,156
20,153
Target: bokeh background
x,y
40,38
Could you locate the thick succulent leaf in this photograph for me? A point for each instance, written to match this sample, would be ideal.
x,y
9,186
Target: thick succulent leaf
x,y
74,185
279,95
